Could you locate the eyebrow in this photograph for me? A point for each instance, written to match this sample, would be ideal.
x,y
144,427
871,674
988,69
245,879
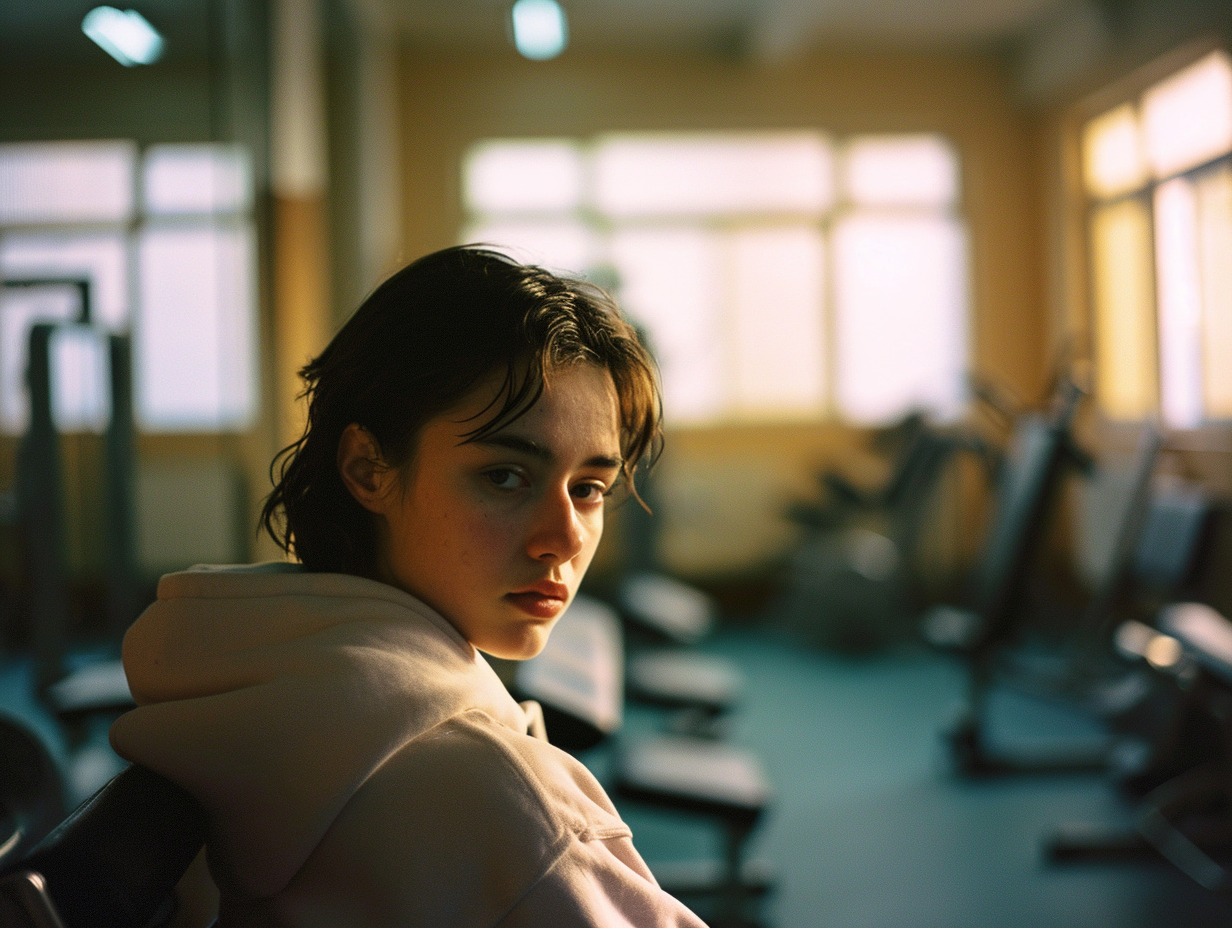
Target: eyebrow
x,y
536,450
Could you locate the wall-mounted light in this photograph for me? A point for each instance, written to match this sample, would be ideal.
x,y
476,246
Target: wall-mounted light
x,y
539,29
125,35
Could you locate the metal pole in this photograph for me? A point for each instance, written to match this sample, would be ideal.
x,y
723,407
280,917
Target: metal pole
x,y
41,501
121,573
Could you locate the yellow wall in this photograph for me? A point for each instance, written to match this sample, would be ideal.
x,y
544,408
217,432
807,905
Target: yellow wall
x,y
723,488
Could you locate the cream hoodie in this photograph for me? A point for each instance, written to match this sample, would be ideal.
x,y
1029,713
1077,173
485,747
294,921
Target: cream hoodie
x,y
362,765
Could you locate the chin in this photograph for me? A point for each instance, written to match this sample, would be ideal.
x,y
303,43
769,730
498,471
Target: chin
x,y
518,647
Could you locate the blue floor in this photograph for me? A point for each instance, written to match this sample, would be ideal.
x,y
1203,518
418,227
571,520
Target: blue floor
x,y
871,829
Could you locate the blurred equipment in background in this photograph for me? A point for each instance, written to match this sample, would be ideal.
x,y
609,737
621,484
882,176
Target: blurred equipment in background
x,y
578,677
40,506
81,683
666,619
1142,537
1187,817
852,583
700,689
1042,450
38,502
1027,485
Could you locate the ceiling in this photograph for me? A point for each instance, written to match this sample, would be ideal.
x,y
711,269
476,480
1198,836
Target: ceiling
x,y
767,30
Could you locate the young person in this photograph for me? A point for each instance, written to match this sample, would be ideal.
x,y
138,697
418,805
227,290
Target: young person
x,y
360,762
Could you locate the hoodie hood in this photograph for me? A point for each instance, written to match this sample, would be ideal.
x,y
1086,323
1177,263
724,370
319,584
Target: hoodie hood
x,y
271,694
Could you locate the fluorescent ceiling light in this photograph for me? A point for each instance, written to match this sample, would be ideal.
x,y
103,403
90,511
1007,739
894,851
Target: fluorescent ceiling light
x,y
539,29
125,36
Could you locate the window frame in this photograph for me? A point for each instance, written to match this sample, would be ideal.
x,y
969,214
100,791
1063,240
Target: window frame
x,y
1211,434
823,220
242,216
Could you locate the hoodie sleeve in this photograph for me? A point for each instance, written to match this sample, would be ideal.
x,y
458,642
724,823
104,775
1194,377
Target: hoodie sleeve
x,y
599,884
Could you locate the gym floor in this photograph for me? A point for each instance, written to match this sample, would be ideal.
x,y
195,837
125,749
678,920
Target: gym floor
x,y
872,829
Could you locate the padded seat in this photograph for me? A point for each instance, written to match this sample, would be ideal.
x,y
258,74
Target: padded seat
x,y
681,680
577,677
101,686
671,609
714,779
702,688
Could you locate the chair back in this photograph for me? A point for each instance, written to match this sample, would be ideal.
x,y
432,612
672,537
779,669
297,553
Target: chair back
x,y
113,863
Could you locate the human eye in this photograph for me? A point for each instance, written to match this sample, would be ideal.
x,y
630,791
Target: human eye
x,y
591,491
506,479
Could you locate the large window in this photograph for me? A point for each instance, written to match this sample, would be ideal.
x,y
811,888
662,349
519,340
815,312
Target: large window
x,y
164,240
777,276
1158,174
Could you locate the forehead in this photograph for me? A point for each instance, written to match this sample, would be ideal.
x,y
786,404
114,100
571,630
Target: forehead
x,y
577,400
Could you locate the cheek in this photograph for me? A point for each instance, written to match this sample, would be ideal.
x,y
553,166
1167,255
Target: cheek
x,y
485,537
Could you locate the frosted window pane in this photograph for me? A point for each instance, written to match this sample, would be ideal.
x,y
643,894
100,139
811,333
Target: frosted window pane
x,y
81,392
101,258
1112,153
778,335
19,310
50,182
532,176
562,246
196,345
1215,225
178,179
670,286
713,174
1187,119
900,316
900,170
1180,310
1126,373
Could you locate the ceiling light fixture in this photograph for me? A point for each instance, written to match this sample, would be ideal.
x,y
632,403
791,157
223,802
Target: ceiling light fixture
x,y
539,29
124,35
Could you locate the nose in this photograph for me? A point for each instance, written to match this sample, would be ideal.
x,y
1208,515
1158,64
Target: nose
x,y
558,534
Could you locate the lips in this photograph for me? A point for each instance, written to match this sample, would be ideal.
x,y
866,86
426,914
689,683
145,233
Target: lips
x,y
543,600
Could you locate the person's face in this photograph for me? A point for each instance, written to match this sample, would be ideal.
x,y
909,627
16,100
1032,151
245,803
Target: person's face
x,y
496,534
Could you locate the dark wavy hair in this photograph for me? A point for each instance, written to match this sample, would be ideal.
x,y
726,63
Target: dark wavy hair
x,y
415,347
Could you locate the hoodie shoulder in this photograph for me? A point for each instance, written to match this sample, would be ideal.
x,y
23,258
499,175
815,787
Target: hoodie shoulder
x,y
484,813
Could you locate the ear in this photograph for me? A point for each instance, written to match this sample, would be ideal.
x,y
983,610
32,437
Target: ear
x,y
363,470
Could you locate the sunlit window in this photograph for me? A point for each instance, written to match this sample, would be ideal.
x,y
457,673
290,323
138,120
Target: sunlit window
x,y
538,176
195,179
1112,146
1187,119
1158,174
776,275
1214,194
163,239
1126,363
51,182
900,326
900,170
79,360
648,175
194,364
